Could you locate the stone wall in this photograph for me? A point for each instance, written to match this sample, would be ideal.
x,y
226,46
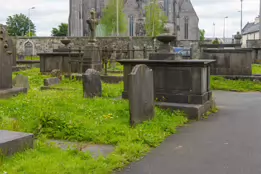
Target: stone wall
x,y
47,44
253,43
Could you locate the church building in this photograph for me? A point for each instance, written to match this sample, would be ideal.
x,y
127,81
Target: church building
x,y
183,18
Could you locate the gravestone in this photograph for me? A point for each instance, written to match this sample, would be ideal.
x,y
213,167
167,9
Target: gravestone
x,y
21,81
28,49
6,61
141,94
52,81
92,86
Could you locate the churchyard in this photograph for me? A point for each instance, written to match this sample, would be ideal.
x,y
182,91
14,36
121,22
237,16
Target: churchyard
x,y
72,116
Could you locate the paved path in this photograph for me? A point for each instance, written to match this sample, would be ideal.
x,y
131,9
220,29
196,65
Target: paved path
x,y
227,143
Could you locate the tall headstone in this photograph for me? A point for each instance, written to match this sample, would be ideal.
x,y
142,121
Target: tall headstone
x,y
141,94
92,86
5,61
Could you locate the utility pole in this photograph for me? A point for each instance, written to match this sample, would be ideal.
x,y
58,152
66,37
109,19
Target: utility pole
x,y
224,31
214,30
29,15
175,18
241,22
260,20
117,6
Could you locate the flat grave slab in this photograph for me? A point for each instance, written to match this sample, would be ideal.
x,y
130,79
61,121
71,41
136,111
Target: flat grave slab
x,y
95,149
13,142
7,93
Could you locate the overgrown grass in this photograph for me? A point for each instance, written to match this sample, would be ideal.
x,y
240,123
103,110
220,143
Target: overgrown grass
x,y
118,67
220,83
32,58
67,115
256,68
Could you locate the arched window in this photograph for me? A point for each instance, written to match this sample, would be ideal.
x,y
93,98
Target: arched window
x,y
186,26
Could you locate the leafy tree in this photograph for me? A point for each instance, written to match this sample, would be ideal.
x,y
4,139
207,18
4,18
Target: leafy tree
x,y
215,41
202,35
155,19
62,30
18,25
109,19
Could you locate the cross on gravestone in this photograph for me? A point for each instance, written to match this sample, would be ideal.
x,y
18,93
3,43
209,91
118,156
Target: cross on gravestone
x,y
5,61
92,86
141,94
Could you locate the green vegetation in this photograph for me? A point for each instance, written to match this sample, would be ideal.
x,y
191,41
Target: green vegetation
x,y
32,58
67,115
256,69
109,19
118,67
62,30
220,83
202,35
17,25
156,19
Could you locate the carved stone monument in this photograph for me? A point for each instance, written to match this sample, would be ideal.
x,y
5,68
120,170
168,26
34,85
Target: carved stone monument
x,y
141,94
91,56
6,89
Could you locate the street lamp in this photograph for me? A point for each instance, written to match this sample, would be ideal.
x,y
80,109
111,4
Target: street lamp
x,y
224,31
214,30
241,21
29,14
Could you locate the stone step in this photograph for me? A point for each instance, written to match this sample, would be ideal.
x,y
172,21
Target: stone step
x,y
13,142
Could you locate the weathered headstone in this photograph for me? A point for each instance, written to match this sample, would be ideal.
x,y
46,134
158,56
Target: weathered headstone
x,y
5,61
52,81
28,49
141,94
21,81
92,86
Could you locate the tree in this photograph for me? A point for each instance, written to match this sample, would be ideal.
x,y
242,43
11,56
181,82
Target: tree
x,y
18,25
202,35
155,19
62,30
216,41
109,19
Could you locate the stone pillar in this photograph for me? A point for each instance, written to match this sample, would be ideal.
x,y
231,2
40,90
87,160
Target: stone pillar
x,y
92,57
5,61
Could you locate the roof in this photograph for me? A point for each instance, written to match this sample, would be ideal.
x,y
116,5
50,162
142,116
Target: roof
x,y
250,28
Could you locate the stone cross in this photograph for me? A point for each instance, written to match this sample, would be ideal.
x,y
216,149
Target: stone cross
x,y
92,22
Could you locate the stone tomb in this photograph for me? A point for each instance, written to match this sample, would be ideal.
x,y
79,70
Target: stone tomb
x,y
6,89
13,142
141,94
92,85
229,61
179,85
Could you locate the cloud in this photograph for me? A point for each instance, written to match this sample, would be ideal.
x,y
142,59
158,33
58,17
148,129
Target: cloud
x,y
50,13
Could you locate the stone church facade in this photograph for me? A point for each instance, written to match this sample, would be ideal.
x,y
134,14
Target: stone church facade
x,y
185,16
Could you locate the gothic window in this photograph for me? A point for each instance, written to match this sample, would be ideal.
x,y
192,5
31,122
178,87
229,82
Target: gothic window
x,y
186,27
131,25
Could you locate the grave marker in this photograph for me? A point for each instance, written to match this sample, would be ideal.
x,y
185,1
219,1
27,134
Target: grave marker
x,y
92,86
141,94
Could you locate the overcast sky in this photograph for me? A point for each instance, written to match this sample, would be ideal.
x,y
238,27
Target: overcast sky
x,y
50,13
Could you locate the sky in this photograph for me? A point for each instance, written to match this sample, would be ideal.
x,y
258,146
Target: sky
x,y
50,13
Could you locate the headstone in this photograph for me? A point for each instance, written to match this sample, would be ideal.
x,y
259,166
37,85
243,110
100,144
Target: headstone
x,y
92,86
141,94
52,81
21,81
5,61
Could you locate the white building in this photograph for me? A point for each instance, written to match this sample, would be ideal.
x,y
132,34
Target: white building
x,y
250,32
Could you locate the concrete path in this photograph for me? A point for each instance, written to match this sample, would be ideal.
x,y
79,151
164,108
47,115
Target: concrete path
x,y
229,142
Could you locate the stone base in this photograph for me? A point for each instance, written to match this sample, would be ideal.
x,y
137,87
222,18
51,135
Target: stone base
x,y
191,110
7,93
13,142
